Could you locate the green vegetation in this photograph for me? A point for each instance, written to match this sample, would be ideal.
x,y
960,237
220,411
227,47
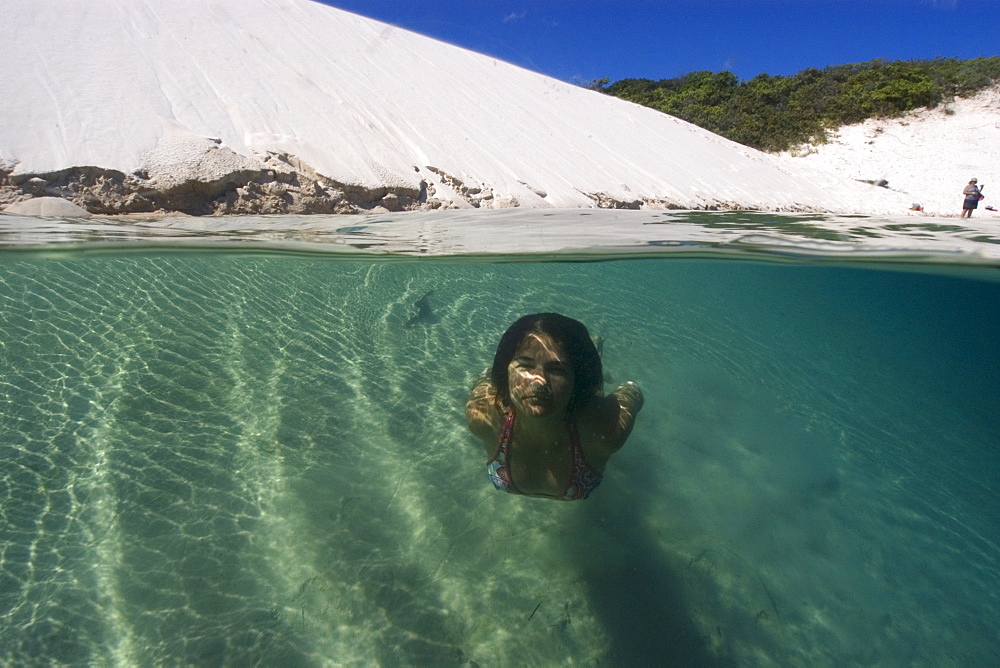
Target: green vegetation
x,y
775,113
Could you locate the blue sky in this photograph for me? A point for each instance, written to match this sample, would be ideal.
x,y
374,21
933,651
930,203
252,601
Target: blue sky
x,y
581,40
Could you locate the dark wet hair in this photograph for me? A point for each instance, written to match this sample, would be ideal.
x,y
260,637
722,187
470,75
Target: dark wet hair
x,y
575,340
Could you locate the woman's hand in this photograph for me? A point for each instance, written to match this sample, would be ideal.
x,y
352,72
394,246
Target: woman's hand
x,y
481,410
614,416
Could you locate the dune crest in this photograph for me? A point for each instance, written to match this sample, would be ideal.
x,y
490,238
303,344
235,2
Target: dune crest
x,y
290,106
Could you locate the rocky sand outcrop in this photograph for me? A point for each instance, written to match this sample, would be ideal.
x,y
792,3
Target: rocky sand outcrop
x,y
276,184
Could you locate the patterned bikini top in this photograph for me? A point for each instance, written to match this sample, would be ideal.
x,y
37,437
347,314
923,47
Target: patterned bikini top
x,y
583,478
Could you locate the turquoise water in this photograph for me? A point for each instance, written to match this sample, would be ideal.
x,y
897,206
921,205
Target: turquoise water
x,y
220,458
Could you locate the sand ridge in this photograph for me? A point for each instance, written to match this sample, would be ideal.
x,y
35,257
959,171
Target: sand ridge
x,y
249,107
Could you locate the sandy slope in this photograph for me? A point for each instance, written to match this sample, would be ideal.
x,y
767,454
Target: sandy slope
x,y
266,106
929,155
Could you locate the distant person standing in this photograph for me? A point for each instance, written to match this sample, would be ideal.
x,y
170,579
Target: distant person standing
x,y
973,193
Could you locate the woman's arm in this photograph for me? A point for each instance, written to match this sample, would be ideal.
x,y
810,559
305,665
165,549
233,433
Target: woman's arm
x,y
481,412
617,413
630,401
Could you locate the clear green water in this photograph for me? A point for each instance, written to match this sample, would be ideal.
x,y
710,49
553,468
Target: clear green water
x,y
222,459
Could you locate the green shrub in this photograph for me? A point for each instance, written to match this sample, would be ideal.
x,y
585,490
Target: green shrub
x,y
775,113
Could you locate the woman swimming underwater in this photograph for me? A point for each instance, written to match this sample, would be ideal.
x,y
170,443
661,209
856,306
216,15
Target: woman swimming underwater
x,y
545,425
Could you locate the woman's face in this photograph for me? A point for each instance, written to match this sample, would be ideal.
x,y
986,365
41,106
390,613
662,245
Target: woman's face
x,y
540,377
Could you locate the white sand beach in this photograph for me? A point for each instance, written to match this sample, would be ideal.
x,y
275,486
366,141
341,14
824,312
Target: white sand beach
x,y
219,107
928,155
253,107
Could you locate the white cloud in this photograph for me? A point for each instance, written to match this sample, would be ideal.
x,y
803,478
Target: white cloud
x,y
514,16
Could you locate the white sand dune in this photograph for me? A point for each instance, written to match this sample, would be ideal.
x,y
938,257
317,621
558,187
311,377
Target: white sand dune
x,y
929,155
274,106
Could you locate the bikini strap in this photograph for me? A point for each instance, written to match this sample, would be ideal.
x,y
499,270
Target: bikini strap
x,y
508,430
583,477
498,468
574,436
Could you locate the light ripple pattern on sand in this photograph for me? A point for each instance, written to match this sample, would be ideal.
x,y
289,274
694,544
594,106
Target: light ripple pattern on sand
x,y
231,459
